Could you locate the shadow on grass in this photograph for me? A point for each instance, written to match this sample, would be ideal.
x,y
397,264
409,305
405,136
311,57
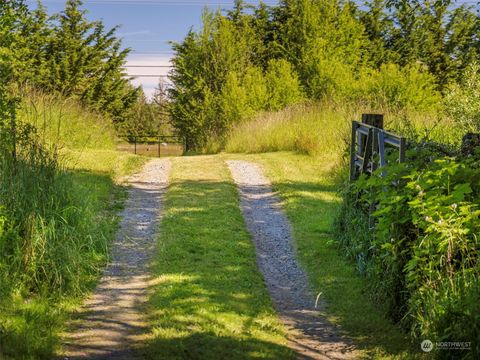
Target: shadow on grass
x,y
209,301
311,208
32,320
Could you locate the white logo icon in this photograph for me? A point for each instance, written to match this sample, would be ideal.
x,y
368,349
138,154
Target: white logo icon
x,y
426,345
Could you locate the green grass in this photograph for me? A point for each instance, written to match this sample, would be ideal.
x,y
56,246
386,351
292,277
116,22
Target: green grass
x,y
309,192
209,301
113,163
65,122
58,215
324,128
31,322
308,129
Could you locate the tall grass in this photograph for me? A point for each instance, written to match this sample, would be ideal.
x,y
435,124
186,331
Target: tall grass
x,y
57,216
324,128
309,129
64,122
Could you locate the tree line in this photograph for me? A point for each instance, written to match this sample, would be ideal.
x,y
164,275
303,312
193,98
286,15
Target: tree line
x,y
400,53
69,54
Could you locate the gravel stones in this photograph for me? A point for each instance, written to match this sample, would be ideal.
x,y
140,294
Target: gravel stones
x,y
310,334
112,322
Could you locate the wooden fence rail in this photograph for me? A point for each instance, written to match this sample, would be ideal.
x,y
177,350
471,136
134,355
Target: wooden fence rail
x,y
369,145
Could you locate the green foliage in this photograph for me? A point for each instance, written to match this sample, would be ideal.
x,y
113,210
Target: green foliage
x,y
145,118
64,123
462,100
218,81
323,40
283,85
216,314
307,129
68,54
393,54
402,88
419,246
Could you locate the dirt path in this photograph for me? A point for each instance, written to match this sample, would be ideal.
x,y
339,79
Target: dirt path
x,y
311,335
113,322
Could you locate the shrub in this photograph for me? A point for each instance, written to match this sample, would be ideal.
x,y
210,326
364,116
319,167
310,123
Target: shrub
x,y
462,101
283,85
402,87
419,244
45,243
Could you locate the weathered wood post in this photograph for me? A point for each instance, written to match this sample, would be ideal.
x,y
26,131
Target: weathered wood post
x,y
135,144
353,151
159,140
375,120
13,124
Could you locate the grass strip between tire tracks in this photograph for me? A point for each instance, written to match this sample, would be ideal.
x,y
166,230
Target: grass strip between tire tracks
x,y
209,301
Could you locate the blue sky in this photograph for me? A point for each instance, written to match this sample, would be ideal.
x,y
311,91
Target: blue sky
x,y
147,26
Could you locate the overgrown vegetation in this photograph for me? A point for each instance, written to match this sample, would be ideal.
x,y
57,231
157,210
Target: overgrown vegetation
x,y
308,188
55,223
58,215
418,247
414,234
385,54
69,55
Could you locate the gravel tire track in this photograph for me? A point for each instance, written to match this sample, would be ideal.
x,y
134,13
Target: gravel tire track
x,y
113,324
310,334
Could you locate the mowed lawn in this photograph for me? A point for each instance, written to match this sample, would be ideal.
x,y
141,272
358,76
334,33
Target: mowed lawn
x,y
209,300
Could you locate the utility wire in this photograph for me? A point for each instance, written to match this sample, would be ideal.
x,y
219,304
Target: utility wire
x,y
156,3
149,75
147,66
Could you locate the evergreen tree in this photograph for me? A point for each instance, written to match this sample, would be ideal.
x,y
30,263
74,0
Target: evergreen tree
x,y
378,30
86,61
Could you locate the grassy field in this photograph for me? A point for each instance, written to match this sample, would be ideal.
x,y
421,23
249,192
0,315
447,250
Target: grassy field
x,y
307,187
30,324
65,122
323,129
209,301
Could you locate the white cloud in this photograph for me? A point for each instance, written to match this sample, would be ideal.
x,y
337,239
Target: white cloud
x,y
135,66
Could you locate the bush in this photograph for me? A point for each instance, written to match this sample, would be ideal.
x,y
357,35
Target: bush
x,y
45,241
419,244
462,101
283,85
409,87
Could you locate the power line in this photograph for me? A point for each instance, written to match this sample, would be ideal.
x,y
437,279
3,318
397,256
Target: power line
x,y
152,52
155,2
147,66
150,75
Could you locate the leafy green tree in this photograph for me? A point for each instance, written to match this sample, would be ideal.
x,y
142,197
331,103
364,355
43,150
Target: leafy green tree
x,y
378,30
463,42
68,54
316,36
283,85
436,33
462,100
86,61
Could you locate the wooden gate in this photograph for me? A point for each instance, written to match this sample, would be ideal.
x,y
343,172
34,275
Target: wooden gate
x,y
369,144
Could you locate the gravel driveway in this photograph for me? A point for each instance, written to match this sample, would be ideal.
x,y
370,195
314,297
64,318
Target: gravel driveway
x,y
310,334
113,323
